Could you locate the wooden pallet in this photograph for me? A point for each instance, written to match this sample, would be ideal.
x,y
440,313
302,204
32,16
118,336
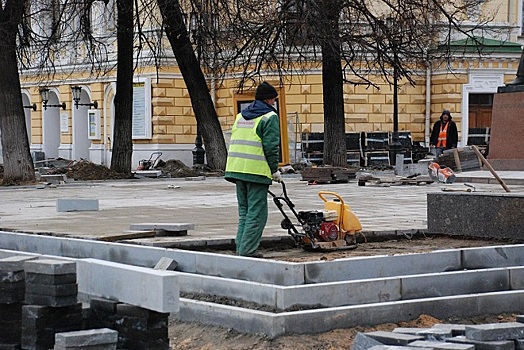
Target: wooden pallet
x,y
460,159
328,174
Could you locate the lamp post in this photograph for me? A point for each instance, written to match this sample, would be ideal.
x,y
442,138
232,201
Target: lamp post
x,y
195,25
77,91
44,93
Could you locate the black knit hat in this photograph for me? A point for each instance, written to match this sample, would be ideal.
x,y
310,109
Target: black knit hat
x,y
265,91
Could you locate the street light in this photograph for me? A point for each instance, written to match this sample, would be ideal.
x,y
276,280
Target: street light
x,y
77,91
33,106
44,93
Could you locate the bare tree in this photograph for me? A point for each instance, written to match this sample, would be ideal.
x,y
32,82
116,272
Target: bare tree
x,y
122,138
205,113
18,165
357,42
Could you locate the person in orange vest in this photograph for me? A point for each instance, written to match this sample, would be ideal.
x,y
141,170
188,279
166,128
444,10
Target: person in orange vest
x,y
444,134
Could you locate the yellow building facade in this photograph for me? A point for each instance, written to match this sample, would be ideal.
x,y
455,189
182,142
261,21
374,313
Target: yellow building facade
x,y
163,118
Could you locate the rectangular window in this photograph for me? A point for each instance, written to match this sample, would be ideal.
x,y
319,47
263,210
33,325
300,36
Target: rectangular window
x,y
142,109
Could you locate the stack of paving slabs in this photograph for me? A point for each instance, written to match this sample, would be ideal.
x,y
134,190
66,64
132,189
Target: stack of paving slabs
x,y
490,336
12,289
138,328
51,298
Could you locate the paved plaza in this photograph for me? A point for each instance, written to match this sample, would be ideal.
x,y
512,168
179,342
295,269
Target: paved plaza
x,y
210,204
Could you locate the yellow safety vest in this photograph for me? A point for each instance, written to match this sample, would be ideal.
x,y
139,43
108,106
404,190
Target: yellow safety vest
x,y
246,154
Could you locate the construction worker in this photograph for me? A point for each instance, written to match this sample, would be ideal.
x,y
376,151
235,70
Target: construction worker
x,y
444,134
252,164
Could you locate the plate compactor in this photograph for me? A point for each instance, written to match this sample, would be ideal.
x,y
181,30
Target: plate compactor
x,y
333,228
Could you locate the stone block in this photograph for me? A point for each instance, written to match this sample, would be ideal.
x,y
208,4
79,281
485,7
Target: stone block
x,y
39,278
434,334
48,300
50,267
86,338
393,347
166,264
409,330
151,289
15,263
495,331
55,290
484,345
41,323
456,329
12,297
364,342
441,345
11,276
89,347
392,338
66,205
506,127
15,346
105,306
485,215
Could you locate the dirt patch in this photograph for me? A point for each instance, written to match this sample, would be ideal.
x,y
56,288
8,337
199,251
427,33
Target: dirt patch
x,y
84,170
185,336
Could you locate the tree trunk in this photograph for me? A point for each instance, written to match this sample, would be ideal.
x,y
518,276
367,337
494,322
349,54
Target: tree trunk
x,y
201,101
122,137
18,164
333,91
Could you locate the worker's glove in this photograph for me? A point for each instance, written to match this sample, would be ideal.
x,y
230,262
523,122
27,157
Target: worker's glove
x,y
276,176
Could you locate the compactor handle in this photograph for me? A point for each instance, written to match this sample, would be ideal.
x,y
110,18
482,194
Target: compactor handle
x,y
323,194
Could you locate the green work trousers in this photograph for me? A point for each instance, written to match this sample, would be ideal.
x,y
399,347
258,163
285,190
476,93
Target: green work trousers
x,y
252,215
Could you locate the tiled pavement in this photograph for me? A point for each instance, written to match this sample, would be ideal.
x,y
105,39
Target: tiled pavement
x,y
211,204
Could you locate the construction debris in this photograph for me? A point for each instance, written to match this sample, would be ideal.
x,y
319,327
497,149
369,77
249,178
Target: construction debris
x,y
386,179
328,174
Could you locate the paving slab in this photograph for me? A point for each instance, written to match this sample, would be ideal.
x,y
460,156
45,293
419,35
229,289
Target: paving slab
x,y
495,331
484,345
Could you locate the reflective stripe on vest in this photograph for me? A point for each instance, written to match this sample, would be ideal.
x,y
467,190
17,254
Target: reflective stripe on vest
x,y
442,136
246,153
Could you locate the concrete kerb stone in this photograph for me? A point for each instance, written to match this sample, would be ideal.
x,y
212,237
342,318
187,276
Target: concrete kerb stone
x,y
455,283
516,278
495,256
250,269
81,248
323,320
147,288
264,294
382,266
263,271
239,319
333,294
